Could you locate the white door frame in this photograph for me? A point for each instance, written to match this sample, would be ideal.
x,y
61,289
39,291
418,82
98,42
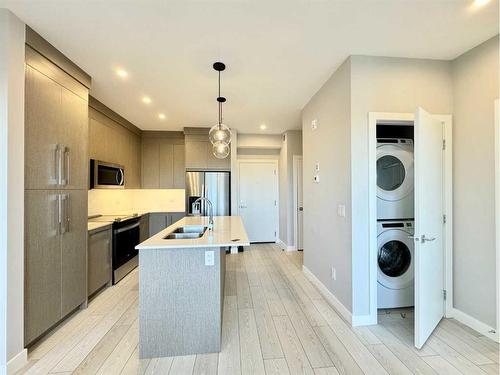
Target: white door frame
x,y
373,118
296,159
497,210
276,183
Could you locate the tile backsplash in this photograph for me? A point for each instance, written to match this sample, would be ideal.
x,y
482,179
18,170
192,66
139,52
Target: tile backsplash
x,y
118,201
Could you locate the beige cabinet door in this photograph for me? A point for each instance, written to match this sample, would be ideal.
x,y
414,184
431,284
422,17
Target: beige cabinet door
x,y
133,171
74,138
196,154
179,167
166,165
74,250
158,222
42,293
42,118
150,163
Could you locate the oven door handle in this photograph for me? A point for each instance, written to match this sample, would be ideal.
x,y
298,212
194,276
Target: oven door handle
x,y
124,229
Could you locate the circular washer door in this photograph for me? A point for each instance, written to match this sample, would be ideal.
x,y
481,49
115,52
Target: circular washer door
x,y
394,172
395,259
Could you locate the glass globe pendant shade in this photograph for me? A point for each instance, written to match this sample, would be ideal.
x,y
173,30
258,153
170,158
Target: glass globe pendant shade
x,y
220,150
220,133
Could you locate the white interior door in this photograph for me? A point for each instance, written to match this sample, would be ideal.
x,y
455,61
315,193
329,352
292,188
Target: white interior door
x,y
258,199
300,207
429,231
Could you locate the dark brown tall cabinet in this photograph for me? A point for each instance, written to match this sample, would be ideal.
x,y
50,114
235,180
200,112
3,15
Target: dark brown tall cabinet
x,y
56,175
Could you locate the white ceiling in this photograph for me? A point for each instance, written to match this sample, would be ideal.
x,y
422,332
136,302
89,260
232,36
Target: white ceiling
x,y
278,53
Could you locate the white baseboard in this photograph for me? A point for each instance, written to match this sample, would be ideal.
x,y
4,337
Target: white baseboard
x,y
284,246
475,324
363,320
346,314
17,363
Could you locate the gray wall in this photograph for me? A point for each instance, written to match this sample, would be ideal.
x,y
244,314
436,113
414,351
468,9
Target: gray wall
x,y
475,87
327,237
381,84
361,85
11,187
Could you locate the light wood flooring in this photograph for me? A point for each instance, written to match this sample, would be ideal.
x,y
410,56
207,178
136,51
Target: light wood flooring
x,y
275,322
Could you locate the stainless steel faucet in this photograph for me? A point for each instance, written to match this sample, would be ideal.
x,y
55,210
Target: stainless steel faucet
x,y
210,211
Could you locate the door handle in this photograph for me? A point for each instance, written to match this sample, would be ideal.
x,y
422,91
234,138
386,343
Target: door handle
x,y
243,206
301,208
424,239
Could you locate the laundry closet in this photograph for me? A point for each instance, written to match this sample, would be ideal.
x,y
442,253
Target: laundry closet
x,y
410,199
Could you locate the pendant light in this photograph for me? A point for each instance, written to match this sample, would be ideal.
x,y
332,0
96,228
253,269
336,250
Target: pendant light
x,y
220,135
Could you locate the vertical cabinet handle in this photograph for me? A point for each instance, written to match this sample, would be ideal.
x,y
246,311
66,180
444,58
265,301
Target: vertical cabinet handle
x,y
59,214
64,219
68,165
67,227
59,165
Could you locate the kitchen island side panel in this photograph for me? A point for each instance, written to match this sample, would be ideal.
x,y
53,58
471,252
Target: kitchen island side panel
x,y
180,301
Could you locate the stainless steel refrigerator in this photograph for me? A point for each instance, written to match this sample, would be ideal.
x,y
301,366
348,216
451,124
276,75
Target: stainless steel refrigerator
x,y
213,185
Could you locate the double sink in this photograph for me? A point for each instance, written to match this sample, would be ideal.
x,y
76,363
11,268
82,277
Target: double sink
x,y
186,232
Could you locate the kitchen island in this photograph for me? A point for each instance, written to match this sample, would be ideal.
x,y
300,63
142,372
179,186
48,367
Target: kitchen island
x,y
181,286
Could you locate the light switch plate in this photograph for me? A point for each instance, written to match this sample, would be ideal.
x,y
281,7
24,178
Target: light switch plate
x,y
314,124
209,258
341,210
317,166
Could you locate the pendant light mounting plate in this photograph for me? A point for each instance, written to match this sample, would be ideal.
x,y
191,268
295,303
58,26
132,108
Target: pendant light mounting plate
x,y
221,99
219,66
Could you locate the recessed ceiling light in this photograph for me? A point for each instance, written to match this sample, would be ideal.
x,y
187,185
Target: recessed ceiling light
x,y
121,73
161,116
146,99
263,127
480,3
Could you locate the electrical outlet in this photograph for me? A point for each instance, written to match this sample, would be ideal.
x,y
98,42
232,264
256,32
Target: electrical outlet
x,y
209,258
333,274
341,210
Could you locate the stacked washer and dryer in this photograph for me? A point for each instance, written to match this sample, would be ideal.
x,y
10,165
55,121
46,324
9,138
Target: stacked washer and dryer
x,y
395,214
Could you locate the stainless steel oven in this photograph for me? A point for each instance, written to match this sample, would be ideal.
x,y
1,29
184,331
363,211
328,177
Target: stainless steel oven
x,y
126,236
105,175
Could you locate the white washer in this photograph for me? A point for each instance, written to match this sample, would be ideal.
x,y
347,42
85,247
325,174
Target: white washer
x,y
395,198
395,261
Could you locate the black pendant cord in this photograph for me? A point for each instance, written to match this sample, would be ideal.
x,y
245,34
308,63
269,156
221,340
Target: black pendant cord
x,y
220,105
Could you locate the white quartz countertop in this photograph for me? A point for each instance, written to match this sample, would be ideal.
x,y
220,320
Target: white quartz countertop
x,y
227,231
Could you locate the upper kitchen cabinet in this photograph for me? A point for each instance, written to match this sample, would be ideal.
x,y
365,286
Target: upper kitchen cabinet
x,y
74,138
163,160
199,155
113,139
56,127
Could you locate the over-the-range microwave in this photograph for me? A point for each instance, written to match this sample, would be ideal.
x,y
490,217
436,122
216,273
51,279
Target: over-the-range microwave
x,y
106,175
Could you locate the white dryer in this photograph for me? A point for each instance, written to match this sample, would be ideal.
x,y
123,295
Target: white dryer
x,y
395,198
395,286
